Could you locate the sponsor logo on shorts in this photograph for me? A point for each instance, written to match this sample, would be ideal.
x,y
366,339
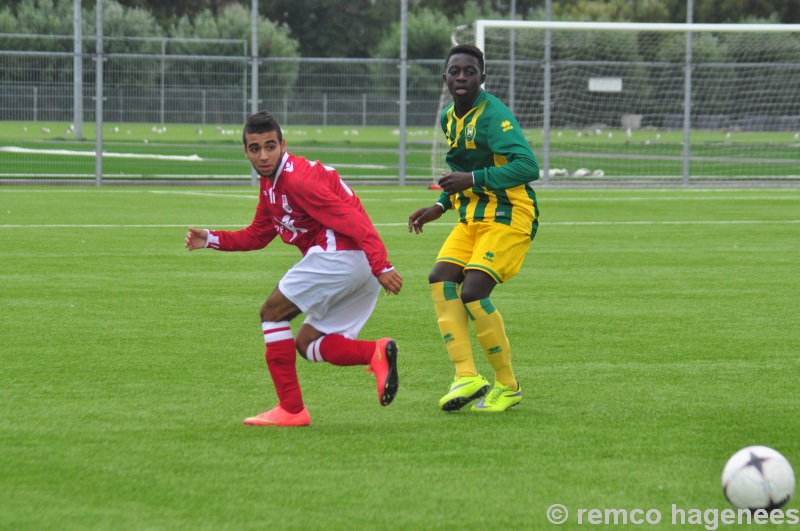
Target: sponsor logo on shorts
x,y
489,256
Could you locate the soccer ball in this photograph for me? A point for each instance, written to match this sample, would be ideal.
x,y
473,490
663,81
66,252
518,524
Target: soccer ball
x,y
758,477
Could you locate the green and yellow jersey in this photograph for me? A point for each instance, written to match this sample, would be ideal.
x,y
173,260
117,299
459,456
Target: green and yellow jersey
x,y
489,142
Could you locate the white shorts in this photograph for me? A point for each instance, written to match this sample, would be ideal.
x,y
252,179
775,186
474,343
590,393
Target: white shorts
x,y
335,289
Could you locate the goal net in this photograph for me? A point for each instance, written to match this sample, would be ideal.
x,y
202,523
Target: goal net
x,y
647,102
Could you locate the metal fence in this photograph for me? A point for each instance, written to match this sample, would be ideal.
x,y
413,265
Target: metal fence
x,y
37,86
163,92
171,115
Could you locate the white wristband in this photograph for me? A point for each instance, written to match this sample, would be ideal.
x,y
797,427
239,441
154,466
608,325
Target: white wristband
x,y
212,239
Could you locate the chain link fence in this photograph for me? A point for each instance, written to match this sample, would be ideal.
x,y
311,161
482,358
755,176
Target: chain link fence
x,y
171,104
171,115
216,90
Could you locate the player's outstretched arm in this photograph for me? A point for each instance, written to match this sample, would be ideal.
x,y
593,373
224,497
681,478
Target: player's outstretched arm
x,y
196,238
391,281
423,216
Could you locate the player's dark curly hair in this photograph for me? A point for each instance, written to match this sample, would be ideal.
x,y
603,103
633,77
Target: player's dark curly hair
x,y
468,49
259,123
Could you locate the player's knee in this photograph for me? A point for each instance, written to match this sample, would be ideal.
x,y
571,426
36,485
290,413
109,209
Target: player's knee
x,y
307,343
443,275
302,347
273,313
266,314
470,295
474,292
446,272
477,286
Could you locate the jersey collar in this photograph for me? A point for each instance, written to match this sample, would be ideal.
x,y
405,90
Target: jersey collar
x,y
280,169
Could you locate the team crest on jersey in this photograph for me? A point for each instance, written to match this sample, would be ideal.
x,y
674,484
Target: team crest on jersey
x,y
285,204
469,133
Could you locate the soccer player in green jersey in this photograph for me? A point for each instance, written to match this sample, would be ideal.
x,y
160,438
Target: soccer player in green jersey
x,y
492,166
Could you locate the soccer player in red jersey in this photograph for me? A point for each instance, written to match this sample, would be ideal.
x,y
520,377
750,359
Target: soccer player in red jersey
x,y
336,283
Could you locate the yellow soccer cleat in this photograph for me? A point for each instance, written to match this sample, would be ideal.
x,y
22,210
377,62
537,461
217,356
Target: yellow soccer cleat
x,y
500,398
464,390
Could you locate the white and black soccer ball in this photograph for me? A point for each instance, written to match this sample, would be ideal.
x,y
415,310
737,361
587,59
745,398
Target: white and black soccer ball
x,y
758,477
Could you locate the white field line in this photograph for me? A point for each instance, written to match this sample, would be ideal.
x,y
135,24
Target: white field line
x,y
403,224
541,200
787,195
15,149
190,158
667,198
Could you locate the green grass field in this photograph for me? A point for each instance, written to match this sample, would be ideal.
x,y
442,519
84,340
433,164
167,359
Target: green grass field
x,y
144,151
654,333
174,152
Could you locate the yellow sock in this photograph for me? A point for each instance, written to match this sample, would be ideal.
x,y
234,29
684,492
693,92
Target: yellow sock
x,y
492,336
454,326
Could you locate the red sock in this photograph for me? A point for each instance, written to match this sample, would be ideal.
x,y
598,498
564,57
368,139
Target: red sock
x,y
339,350
281,363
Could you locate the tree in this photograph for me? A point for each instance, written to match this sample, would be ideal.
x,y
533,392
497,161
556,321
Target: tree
x,y
168,13
429,37
524,8
44,17
429,32
126,30
334,28
734,11
8,23
224,75
233,23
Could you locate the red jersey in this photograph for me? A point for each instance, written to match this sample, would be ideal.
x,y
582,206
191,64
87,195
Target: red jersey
x,y
309,206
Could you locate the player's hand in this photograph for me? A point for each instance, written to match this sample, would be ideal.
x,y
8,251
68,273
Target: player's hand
x,y
196,238
423,216
455,182
391,281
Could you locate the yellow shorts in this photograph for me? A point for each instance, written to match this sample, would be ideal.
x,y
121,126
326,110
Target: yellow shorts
x,y
493,248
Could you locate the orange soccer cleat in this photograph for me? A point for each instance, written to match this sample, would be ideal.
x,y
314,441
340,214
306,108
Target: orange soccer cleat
x,y
278,416
384,366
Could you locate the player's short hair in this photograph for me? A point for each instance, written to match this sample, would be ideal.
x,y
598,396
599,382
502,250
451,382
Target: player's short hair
x,y
468,49
259,123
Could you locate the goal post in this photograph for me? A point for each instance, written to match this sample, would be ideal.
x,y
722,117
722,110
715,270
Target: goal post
x,y
645,102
